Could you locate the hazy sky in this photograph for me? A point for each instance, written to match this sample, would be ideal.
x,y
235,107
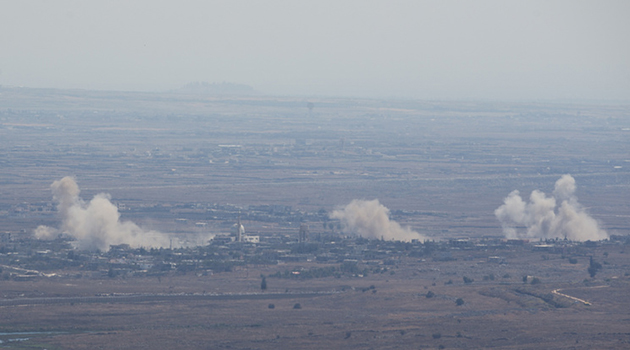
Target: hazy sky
x,y
414,49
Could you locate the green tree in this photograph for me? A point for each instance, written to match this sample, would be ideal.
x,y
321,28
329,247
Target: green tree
x,y
593,268
263,284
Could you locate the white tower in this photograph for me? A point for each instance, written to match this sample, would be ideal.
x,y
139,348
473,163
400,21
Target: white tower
x,y
238,230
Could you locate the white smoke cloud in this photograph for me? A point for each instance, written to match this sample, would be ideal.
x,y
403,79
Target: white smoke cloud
x,y
543,218
370,219
45,232
96,224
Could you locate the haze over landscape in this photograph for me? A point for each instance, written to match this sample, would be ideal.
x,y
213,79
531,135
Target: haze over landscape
x,y
516,50
308,175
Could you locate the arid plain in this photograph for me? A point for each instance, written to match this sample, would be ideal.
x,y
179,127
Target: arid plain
x,y
378,311
189,165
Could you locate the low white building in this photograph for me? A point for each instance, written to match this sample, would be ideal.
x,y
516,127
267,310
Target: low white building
x,y
251,239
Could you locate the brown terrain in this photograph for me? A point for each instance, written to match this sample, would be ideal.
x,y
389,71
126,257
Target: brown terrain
x,y
377,311
442,168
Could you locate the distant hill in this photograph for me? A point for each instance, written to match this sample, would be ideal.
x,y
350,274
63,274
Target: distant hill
x,y
204,88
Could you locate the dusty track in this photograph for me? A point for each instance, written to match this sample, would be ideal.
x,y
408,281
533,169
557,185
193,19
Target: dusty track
x,y
585,302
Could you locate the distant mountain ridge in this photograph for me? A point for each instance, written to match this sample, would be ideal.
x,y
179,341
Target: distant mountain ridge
x,y
224,88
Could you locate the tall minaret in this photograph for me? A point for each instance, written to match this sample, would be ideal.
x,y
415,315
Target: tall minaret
x,y
240,230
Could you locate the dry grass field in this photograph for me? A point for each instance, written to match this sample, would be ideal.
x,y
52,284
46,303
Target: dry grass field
x,y
378,311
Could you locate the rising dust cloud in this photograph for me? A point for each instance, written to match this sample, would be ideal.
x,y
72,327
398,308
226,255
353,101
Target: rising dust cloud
x,y
370,219
543,218
96,224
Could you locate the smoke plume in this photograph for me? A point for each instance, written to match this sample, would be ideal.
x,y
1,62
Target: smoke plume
x,y
370,219
95,224
543,218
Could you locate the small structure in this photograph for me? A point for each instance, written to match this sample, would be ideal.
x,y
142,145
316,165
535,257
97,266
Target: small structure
x,y
251,239
496,259
544,248
222,239
517,242
462,242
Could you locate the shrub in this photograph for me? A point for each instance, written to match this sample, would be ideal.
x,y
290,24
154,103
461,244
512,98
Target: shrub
x,y
593,268
430,294
263,284
437,335
297,306
271,306
459,302
468,280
